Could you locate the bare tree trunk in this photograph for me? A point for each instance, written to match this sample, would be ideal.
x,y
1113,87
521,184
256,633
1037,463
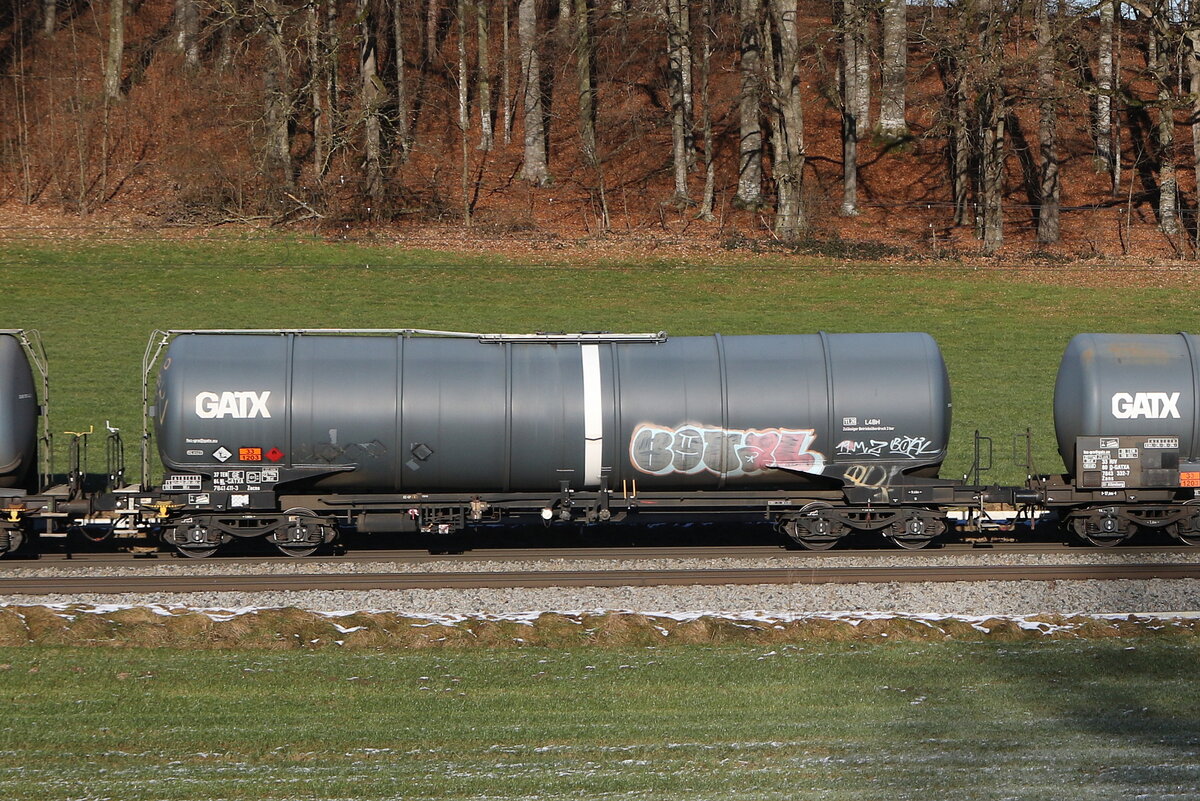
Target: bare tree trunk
x,y
483,32
332,48
116,49
1102,125
506,96
278,85
464,112
189,33
962,152
403,109
178,13
1153,42
787,121
49,17
372,100
749,192
535,169
82,146
850,22
1168,190
710,177
1192,48
684,27
21,101
1048,229
430,50
993,117
585,73
676,82
228,13
585,82
318,63
992,156
862,67
893,70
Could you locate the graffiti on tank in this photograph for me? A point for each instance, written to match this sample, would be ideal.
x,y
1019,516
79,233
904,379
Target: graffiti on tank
x,y
872,447
913,447
691,448
871,476
908,447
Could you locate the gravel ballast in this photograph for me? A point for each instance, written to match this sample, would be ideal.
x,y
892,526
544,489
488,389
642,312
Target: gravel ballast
x,y
948,598
1154,596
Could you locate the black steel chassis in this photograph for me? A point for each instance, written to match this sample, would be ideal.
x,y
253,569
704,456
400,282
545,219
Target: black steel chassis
x,y
910,514
1107,517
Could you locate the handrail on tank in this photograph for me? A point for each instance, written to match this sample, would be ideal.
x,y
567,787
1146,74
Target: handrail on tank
x,y
35,350
539,337
160,339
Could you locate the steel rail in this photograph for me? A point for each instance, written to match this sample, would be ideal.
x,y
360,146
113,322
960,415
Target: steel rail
x,y
609,578
85,559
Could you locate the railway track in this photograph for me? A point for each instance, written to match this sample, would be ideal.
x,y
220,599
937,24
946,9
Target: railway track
x,y
11,585
642,553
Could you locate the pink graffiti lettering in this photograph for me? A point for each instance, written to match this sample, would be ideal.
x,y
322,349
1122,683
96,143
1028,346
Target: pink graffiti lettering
x,y
690,449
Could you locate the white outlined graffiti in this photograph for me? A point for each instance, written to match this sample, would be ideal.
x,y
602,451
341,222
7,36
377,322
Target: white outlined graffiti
x,y
691,448
871,447
908,447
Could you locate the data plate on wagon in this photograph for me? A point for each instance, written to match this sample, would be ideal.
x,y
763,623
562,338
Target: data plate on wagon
x,y
1127,462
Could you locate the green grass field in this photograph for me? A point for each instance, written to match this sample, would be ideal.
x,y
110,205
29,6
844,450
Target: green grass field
x,y
1002,331
1081,720
1094,719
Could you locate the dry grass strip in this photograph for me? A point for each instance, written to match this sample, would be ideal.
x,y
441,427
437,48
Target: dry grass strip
x,y
290,628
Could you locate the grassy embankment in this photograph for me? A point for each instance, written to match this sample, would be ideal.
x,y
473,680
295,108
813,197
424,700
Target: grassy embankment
x,y
1095,720
1002,331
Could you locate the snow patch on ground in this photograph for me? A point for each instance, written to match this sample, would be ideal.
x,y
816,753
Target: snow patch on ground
x,y
70,612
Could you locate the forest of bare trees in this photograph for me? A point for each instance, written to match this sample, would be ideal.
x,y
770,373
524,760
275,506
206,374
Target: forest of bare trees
x,y
987,119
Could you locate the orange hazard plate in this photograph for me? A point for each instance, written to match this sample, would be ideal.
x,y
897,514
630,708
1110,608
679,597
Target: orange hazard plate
x,y
1189,479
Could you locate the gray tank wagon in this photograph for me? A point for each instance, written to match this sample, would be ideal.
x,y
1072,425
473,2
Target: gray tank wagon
x,y
1127,418
287,434
24,437
18,414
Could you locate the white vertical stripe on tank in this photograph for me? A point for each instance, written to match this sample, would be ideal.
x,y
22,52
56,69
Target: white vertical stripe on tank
x,y
593,416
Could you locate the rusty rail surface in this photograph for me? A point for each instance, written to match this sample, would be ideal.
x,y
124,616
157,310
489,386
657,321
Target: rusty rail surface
x,y
605,578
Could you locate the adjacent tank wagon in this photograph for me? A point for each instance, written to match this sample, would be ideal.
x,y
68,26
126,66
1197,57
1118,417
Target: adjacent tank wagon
x,y
287,434
24,436
18,413
1127,418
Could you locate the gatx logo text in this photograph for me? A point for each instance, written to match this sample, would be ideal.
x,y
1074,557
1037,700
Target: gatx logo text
x,y
239,405
1153,405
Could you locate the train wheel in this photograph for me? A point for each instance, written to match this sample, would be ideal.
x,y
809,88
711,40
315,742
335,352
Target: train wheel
x,y
192,538
302,534
813,530
15,538
910,543
914,533
798,536
1103,532
197,553
296,550
1187,530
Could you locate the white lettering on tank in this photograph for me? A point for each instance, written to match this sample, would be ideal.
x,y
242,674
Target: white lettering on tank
x,y
1152,405
238,405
